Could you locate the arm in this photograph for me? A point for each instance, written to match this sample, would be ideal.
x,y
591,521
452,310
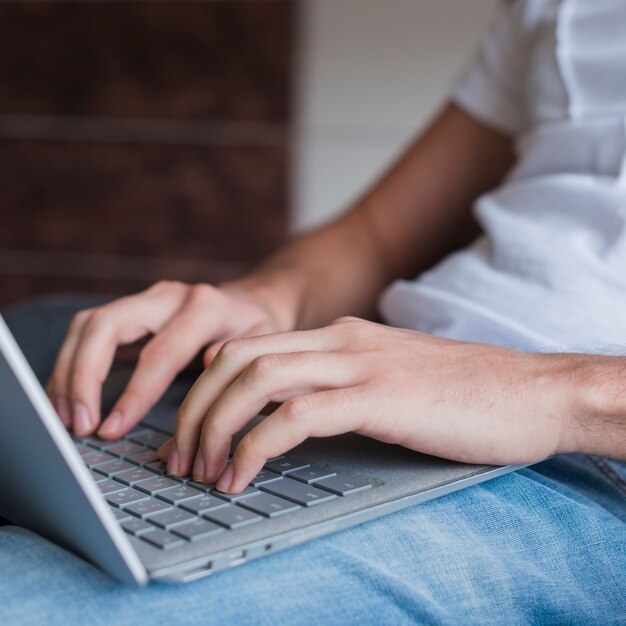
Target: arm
x,y
463,401
415,215
410,219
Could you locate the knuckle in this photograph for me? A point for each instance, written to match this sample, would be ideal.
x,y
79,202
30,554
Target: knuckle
x,y
80,379
296,409
261,366
212,430
156,350
98,317
230,349
80,318
345,319
134,400
201,293
248,447
183,419
166,285
352,328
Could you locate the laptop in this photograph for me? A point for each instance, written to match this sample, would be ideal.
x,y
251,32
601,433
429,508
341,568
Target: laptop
x,y
113,504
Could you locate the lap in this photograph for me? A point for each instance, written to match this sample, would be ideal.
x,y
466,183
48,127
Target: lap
x,y
545,544
541,545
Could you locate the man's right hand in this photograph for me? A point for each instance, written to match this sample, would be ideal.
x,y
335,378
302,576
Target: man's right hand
x,y
179,320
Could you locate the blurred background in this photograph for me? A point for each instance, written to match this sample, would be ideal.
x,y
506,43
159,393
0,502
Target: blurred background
x,y
187,139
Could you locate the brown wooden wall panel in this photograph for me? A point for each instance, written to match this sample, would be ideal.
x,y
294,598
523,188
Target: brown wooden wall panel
x,y
212,202
226,60
141,140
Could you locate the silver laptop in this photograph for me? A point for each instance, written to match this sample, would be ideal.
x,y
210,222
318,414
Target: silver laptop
x,y
113,504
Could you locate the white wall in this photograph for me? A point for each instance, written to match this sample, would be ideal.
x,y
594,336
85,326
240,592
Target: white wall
x,y
371,73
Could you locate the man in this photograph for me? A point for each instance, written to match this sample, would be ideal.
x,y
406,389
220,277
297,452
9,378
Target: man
x,y
485,368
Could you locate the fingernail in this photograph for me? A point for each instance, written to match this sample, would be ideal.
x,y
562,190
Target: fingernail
x,y
82,419
226,479
111,424
173,462
63,409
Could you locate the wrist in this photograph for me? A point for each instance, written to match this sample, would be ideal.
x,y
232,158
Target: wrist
x,y
277,290
596,420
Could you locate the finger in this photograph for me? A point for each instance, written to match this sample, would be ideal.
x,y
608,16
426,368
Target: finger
x,y
321,414
211,352
269,378
120,322
228,364
164,451
57,386
159,363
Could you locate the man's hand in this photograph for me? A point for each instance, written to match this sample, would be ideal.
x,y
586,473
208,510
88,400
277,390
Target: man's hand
x,y
463,401
179,319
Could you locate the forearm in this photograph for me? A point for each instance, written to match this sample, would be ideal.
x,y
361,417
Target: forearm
x,y
416,214
595,404
320,276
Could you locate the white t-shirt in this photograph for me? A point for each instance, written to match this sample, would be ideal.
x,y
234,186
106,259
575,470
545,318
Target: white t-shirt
x,y
550,269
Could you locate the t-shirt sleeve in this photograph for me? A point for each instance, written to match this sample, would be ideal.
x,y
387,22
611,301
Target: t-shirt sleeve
x,y
490,86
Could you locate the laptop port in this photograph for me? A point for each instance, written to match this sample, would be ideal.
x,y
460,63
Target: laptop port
x,y
237,557
197,572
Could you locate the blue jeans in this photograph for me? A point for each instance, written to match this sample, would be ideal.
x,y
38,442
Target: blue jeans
x,y
544,545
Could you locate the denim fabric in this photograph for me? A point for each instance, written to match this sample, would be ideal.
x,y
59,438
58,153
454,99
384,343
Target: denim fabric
x,y
545,545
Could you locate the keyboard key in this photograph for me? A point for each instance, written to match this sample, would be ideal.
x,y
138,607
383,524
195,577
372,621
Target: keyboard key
x,y
232,516
145,456
264,476
233,497
83,449
162,539
136,526
156,484
197,529
298,492
158,467
174,495
134,475
150,438
167,519
123,448
148,507
120,514
110,468
206,487
269,505
128,495
343,484
93,441
97,477
285,465
108,485
203,504
311,474
95,457
138,430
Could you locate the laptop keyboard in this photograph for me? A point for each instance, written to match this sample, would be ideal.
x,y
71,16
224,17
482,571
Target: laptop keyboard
x,y
167,511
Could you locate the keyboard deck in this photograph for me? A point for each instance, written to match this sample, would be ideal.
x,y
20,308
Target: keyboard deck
x,y
167,511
